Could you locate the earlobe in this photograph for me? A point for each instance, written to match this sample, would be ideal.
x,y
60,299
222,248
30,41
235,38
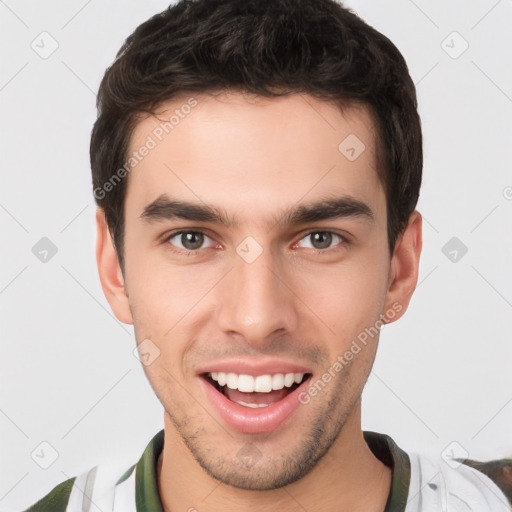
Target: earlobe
x,y
109,270
403,275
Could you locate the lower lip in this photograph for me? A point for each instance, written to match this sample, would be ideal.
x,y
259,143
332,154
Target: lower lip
x,y
249,420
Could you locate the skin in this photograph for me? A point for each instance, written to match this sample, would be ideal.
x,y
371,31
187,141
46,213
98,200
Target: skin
x,y
254,158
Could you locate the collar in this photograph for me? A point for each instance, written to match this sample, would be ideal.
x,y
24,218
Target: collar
x,y
147,497
387,451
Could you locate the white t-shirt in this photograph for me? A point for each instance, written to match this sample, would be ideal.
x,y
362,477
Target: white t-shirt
x,y
419,484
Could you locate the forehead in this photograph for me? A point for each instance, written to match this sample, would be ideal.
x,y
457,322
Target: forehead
x,y
248,152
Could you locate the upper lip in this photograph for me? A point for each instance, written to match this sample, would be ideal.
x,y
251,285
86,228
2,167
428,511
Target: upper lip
x,y
254,367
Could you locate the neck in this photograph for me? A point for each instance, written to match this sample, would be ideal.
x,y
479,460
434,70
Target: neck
x,y
349,477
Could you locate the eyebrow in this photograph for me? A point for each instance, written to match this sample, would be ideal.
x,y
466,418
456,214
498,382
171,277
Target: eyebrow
x,y
166,208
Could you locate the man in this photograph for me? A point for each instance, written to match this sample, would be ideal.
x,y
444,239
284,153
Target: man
x,y
257,166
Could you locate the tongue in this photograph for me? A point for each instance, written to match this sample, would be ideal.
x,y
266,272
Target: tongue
x,y
256,398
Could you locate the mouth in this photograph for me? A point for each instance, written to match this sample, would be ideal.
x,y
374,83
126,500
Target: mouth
x,y
254,404
255,392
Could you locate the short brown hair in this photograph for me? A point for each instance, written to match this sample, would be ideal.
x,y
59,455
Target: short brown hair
x,y
270,48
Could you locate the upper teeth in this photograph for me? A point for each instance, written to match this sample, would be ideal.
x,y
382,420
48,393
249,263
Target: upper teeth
x,y
260,384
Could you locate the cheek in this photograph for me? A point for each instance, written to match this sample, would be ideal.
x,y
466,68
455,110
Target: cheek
x,y
166,301
347,297
161,292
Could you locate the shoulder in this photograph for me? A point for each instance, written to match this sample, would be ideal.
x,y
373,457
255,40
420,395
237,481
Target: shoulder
x,y
499,471
56,500
99,485
457,484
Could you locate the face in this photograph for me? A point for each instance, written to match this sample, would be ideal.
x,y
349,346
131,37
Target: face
x,y
256,254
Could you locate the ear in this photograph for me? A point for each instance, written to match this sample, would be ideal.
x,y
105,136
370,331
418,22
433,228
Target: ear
x,y
403,274
109,270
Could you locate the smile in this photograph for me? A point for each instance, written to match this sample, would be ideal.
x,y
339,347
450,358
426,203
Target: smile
x,y
254,403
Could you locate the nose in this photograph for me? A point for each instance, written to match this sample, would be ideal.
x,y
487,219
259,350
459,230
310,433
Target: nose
x,y
257,300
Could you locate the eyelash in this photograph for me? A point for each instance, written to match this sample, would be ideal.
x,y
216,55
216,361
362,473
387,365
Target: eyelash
x,y
344,241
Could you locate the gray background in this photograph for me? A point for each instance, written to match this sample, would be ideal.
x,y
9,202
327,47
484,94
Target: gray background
x,y
442,382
